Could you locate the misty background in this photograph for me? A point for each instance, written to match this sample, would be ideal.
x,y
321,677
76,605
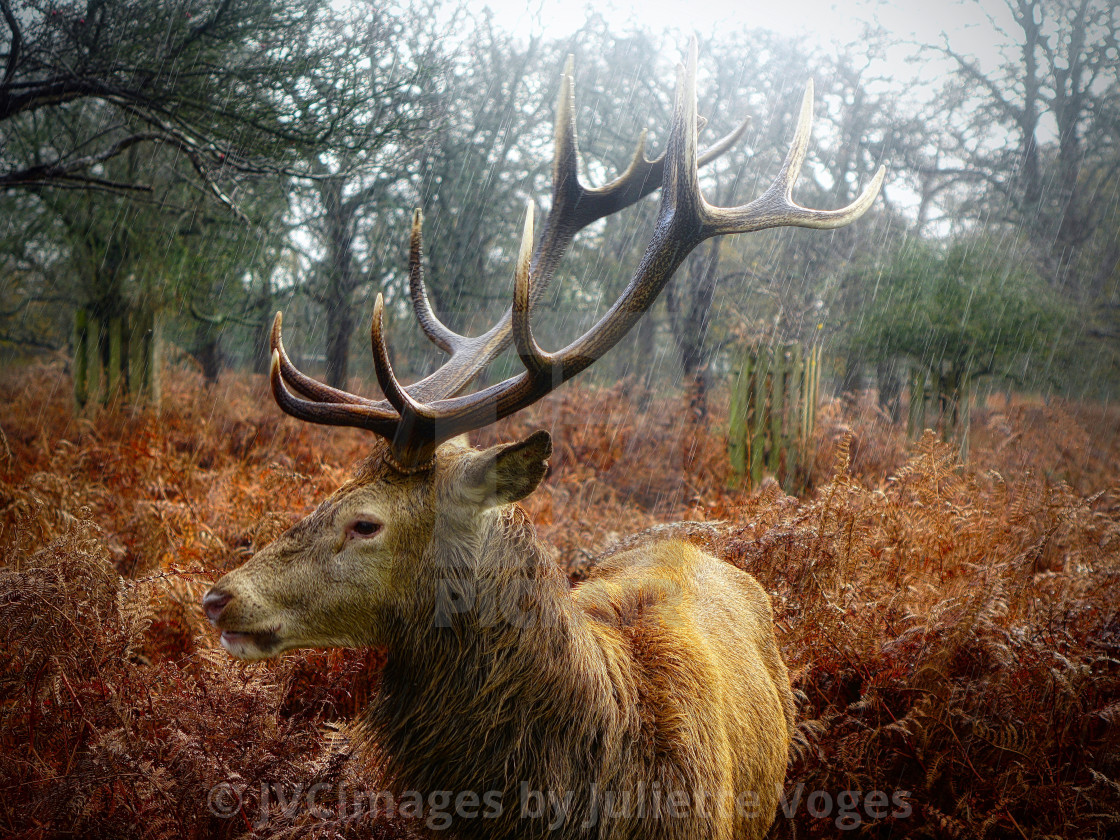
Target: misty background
x,y
173,172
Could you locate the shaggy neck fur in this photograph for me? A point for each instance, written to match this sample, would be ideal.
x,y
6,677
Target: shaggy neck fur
x,y
516,693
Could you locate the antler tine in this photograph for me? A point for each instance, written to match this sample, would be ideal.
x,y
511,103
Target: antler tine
x,y
643,175
413,437
398,397
776,207
534,359
440,335
305,384
721,146
641,178
565,156
327,412
680,196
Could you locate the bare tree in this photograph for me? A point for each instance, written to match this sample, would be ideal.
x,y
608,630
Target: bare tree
x,y
218,82
1060,182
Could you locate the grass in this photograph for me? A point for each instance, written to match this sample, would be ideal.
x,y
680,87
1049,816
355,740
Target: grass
x,y
953,632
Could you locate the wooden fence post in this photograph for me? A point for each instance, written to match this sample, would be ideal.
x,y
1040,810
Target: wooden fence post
x,y
773,414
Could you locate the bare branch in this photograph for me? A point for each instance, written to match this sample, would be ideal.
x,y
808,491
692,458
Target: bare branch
x,y
28,341
17,42
70,170
222,320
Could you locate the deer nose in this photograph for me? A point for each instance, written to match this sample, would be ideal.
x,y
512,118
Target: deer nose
x,y
214,602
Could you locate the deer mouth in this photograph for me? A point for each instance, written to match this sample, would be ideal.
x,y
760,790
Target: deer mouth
x,y
248,644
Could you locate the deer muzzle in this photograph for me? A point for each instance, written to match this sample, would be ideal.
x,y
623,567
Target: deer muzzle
x,y
239,638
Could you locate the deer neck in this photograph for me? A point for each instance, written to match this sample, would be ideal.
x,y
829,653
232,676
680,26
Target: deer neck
x,y
497,664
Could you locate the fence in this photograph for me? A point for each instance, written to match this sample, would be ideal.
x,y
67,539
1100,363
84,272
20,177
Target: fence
x,y
773,414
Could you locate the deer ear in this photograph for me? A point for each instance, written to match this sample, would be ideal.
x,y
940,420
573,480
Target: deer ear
x,y
508,473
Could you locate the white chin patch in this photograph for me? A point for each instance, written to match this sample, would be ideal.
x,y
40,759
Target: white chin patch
x,y
243,646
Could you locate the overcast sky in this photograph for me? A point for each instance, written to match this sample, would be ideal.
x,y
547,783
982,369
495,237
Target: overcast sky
x,y
971,26
826,22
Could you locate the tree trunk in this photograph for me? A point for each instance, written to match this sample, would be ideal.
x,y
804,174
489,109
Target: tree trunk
x,y
208,352
262,348
341,281
340,325
146,357
85,340
916,414
889,376
851,380
118,353
689,306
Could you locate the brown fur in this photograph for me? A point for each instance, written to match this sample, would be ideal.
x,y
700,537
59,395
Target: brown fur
x,y
659,676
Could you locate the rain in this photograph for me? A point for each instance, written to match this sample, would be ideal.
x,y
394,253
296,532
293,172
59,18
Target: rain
x,y
405,408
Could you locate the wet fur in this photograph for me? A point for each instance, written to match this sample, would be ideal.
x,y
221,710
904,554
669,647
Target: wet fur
x,y
659,674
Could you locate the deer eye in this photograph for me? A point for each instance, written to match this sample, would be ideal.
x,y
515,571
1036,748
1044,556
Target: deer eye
x,y
362,528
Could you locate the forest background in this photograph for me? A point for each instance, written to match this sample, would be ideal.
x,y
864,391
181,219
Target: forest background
x,y
173,172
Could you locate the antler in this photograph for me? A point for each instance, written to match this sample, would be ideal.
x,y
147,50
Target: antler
x,y
418,418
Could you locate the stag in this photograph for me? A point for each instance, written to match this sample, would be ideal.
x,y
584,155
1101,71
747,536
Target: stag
x,y
650,700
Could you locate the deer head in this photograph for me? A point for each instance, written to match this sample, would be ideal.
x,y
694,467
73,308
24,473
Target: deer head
x,y
376,555
349,573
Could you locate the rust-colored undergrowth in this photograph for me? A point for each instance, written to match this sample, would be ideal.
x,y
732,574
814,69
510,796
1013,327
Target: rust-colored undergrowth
x,y
953,631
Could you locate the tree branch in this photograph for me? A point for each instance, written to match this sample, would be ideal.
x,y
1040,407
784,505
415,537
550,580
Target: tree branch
x,y
973,72
17,42
70,170
202,28
27,341
222,320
